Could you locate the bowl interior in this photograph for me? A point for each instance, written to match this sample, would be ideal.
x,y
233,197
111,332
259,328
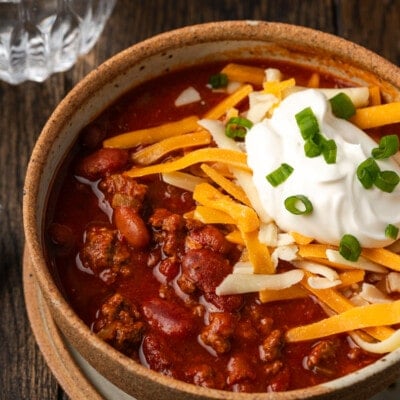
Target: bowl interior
x,y
235,40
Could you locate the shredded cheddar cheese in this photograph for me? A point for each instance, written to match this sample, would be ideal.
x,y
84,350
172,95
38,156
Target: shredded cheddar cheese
x,y
152,135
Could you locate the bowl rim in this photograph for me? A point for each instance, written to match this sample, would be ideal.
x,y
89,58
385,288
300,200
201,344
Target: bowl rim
x,y
119,64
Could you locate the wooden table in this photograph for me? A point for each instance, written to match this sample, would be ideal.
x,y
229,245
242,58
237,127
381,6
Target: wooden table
x,y
25,108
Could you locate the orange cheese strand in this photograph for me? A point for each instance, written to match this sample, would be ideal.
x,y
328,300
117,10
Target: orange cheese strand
x,y
278,88
292,292
208,215
235,191
374,95
244,73
339,303
152,135
258,253
372,315
154,152
231,101
314,80
245,217
379,115
350,277
313,250
301,239
235,237
212,154
384,257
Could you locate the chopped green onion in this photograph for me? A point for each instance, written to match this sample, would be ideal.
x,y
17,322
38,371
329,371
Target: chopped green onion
x,y
280,175
329,151
342,106
236,127
313,146
299,205
387,181
391,231
307,123
388,145
350,248
218,80
367,172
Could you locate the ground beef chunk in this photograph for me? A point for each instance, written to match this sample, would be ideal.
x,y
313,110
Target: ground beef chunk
x,y
120,324
170,231
320,358
240,369
104,254
207,236
123,191
272,346
219,332
206,376
205,269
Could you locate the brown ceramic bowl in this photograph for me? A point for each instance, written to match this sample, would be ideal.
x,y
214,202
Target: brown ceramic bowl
x,y
169,51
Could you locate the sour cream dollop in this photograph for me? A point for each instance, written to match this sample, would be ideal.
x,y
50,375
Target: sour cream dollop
x,y
341,205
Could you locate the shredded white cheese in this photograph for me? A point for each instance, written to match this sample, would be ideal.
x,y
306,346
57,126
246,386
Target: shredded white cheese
x,y
188,96
238,283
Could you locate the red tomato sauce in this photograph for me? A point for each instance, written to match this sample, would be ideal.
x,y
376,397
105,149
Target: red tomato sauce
x,y
155,302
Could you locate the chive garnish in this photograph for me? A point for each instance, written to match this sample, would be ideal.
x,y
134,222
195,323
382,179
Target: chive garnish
x,y
218,80
388,146
391,231
299,205
349,247
237,127
279,175
342,106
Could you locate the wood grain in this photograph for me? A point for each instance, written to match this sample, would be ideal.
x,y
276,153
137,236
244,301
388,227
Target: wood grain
x,y
25,108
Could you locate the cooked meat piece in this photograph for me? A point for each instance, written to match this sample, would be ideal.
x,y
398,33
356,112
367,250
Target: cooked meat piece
x,y
208,236
123,191
171,231
321,356
219,332
205,269
273,367
206,376
103,253
120,324
272,346
240,369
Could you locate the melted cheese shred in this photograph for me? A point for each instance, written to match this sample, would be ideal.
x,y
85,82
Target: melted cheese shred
x,y
372,315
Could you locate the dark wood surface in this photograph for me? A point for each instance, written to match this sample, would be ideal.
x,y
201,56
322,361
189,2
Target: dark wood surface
x,y
24,109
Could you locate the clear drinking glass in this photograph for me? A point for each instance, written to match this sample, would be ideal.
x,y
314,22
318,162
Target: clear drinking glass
x,y
39,37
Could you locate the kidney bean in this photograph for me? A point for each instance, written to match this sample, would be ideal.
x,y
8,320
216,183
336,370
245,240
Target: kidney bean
x,y
169,318
101,162
131,226
158,354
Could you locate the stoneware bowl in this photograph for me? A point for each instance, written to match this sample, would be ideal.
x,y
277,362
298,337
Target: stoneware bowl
x,y
166,52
